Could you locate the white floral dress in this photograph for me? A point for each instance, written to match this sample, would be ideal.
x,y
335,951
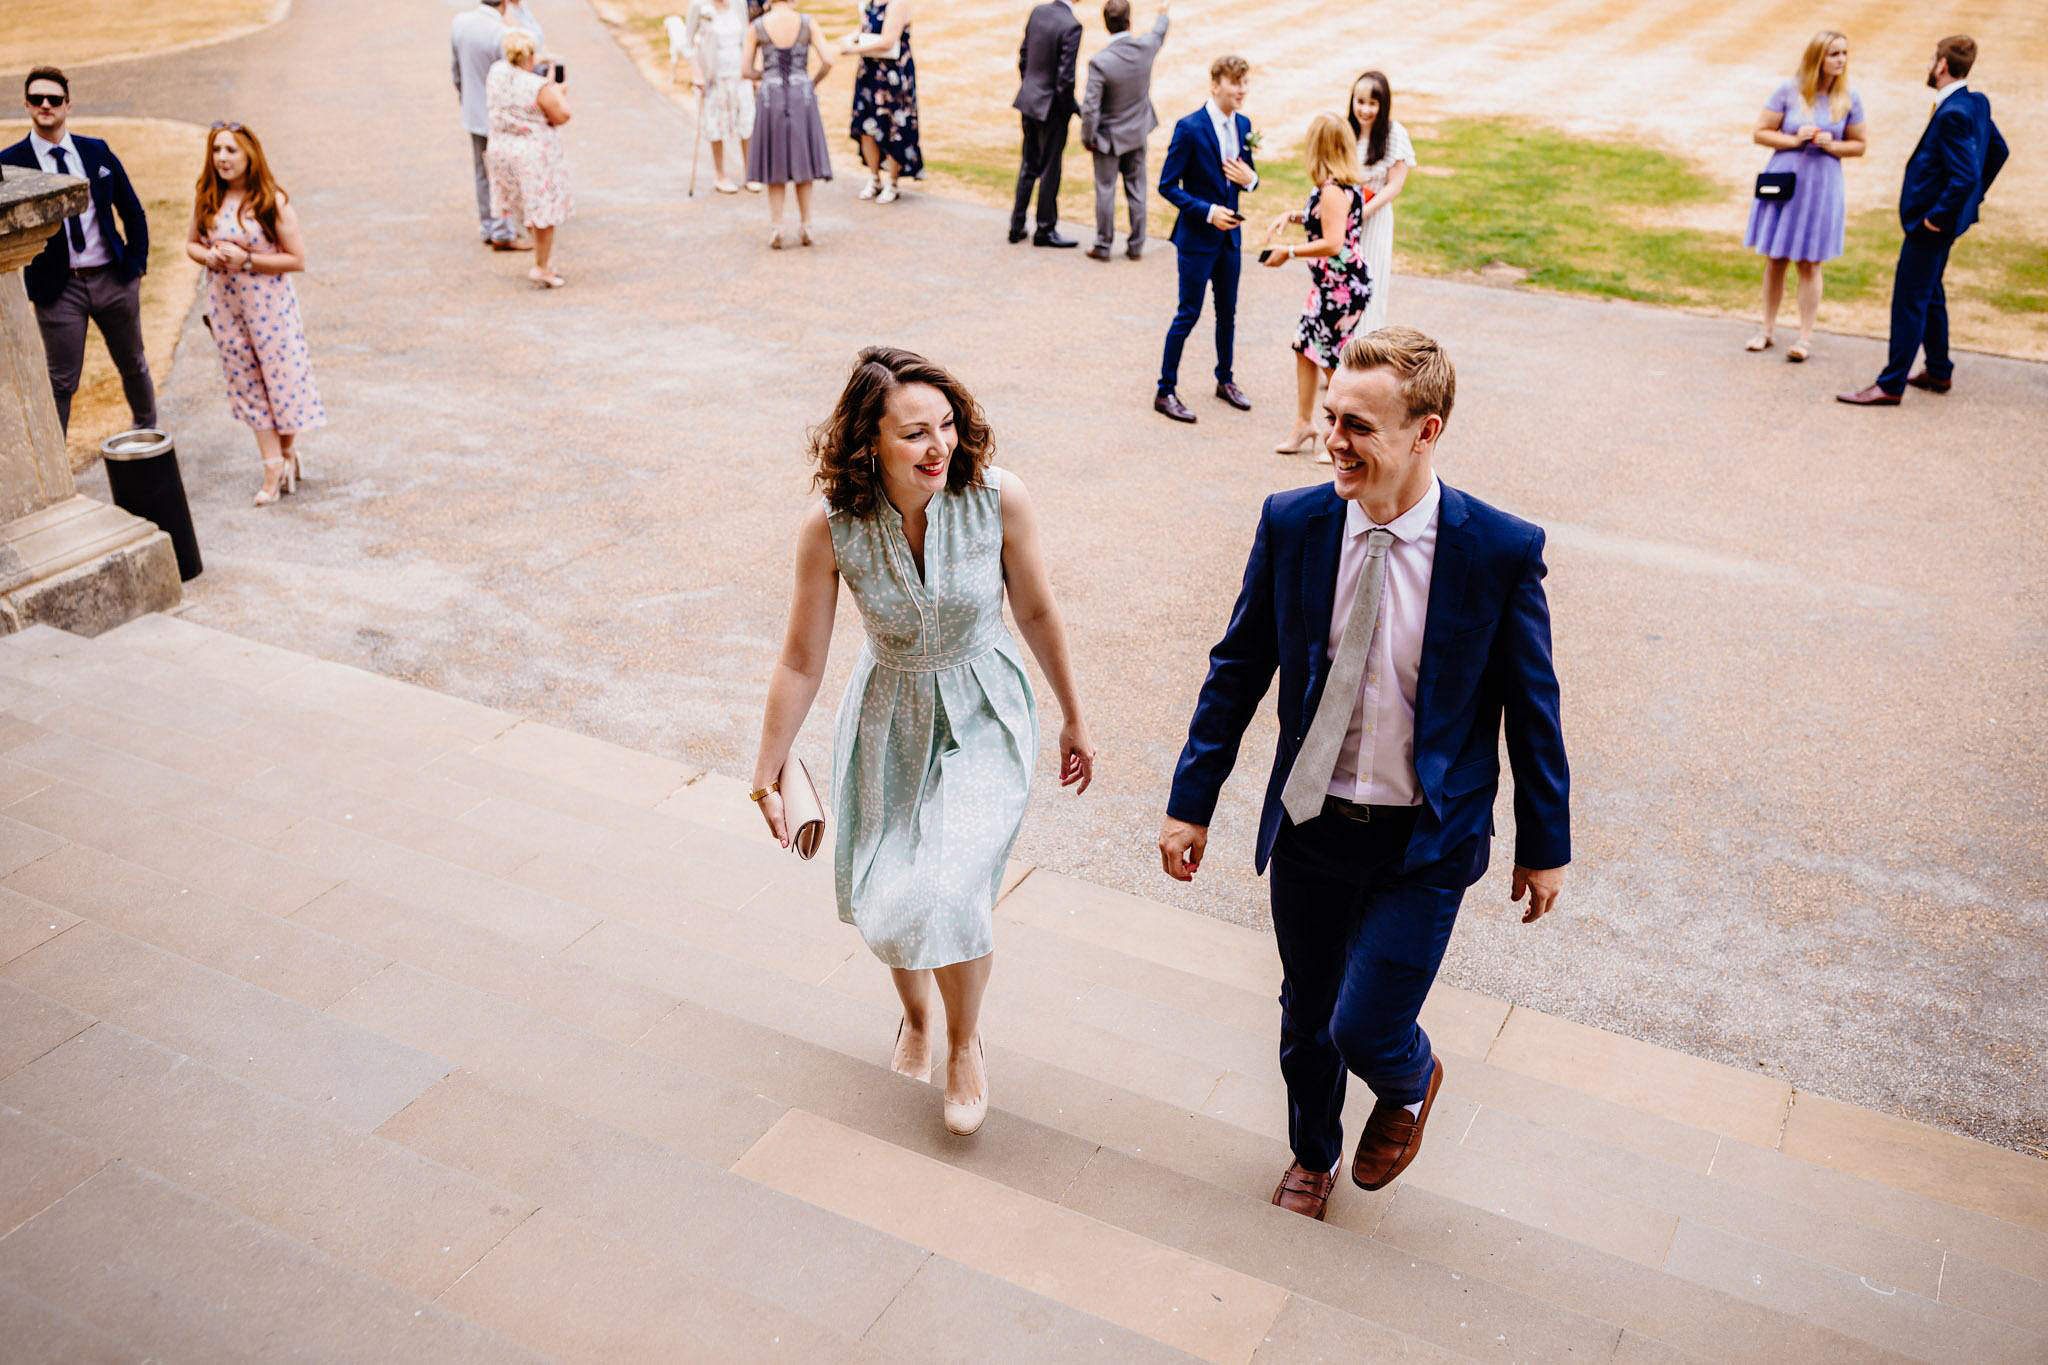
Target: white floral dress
x,y
529,181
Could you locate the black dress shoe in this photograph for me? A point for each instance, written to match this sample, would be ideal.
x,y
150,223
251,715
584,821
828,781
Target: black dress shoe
x,y
1233,395
1170,404
1016,235
1098,253
1051,237
1924,380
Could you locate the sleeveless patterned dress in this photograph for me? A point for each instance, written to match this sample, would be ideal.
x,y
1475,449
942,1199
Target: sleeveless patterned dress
x,y
937,732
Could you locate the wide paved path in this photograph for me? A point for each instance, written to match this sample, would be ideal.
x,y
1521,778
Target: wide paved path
x,y
1802,647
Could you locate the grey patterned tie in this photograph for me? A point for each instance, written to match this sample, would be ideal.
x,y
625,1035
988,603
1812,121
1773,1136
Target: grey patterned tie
x,y
1308,782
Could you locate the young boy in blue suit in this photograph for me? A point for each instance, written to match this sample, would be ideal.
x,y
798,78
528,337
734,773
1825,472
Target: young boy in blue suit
x,y
1208,164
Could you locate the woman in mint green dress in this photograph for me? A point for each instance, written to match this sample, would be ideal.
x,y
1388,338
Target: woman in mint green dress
x,y
938,730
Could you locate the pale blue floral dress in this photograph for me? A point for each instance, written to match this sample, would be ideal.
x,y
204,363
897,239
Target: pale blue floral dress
x,y
937,732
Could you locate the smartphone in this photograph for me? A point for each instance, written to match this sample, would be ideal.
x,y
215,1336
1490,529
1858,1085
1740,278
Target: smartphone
x,y
561,72
1265,255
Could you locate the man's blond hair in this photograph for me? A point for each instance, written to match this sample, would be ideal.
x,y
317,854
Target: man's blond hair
x,y
1428,382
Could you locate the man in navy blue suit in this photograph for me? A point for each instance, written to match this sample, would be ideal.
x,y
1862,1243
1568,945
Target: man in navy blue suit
x,y
1959,155
1207,165
1407,623
87,269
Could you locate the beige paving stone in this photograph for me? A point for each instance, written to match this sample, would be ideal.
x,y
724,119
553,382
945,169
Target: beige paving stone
x,y
1026,947
368,1203
86,763
1312,1333
127,689
309,754
584,761
2018,1299
948,1312
1585,1169
1855,1306
1637,1349
431,883
39,1164
1010,1150
42,1332
235,871
562,989
1578,1210
731,1230
17,781
24,923
297,795
549,794
1679,1314
1359,1275
707,801
1913,1156
22,844
185,1278
349,1076
1963,1232
374,700
1204,1309
1643,1076
32,1023
233,658
1014,873
14,731
678,913
222,762
27,702
280,956
574,1293
1576,1112
516,1049
1113,919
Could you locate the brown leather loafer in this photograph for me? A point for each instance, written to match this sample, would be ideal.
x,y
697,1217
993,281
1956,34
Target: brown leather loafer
x,y
1391,1138
1872,397
1924,380
1305,1192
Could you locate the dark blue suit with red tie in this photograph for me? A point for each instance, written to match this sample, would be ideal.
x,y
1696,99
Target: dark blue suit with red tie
x,y
1959,154
1362,912
1192,180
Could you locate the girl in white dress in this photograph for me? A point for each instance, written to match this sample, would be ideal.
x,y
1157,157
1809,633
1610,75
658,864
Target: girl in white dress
x,y
1387,157
716,32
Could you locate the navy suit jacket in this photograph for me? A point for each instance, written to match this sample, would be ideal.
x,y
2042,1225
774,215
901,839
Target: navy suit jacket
x,y
1485,659
1960,153
1192,179
128,257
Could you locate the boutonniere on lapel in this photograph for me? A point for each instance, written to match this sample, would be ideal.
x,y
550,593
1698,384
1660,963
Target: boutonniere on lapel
x,y
1252,142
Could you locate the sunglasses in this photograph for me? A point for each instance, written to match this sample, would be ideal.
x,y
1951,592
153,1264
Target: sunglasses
x,y
48,101
225,126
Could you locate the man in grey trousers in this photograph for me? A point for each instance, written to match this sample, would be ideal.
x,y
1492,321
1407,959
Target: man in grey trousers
x,y
475,40
1116,118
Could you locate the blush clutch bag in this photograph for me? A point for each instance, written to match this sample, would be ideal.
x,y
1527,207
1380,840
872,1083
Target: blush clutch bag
x,y
801,809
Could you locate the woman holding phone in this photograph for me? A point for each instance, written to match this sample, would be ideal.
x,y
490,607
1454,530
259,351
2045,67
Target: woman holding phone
x,y
523,158
938,730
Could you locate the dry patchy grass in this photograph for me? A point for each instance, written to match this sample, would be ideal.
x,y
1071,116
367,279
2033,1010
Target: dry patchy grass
x,y
82,31
162,158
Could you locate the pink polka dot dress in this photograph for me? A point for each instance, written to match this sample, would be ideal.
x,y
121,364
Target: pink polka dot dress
x,y
261,340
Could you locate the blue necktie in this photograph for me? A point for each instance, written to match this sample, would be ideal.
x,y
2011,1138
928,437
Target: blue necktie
x,y
71,224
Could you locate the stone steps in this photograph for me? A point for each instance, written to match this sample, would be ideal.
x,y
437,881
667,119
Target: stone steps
x,y
442,956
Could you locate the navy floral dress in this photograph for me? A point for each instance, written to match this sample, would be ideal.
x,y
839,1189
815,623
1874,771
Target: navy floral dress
x,y
885,99
1339,286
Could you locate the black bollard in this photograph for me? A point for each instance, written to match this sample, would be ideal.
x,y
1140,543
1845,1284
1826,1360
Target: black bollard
x,y
142,474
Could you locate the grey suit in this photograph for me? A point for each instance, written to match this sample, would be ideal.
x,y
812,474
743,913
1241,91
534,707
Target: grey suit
x,y
475,40
1116,118
1045,99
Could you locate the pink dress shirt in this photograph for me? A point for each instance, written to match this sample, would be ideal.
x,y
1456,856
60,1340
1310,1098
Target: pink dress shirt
x,y
1376,766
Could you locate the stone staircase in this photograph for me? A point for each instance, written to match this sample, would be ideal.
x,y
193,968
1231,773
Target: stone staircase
x,y
346,1019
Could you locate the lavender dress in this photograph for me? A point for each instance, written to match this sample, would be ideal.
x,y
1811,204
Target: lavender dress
x,y
1807,226
789,137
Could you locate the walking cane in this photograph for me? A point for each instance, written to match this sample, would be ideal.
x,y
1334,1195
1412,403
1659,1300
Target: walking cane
x,y
697,143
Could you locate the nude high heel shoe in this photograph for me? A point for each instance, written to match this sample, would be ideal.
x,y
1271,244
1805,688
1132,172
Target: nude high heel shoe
x,y
965,1120
268,494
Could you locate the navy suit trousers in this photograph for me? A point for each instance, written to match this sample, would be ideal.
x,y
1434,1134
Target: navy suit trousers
x,y
1199,270
1919,309
1360,943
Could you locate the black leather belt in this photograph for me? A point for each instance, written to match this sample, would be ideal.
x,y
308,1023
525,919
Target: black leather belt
x,y
1363,814
82,271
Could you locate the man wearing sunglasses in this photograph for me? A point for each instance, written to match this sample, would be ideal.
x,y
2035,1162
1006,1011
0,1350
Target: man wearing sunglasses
x,y
92,267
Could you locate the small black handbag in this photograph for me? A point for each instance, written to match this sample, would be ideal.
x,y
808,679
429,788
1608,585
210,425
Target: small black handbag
x,y
1773,186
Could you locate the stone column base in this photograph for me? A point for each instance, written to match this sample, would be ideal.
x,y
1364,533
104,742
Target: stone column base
x,y
85,567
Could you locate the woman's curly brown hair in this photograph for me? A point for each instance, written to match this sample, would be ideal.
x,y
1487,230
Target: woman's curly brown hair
x,y
843,445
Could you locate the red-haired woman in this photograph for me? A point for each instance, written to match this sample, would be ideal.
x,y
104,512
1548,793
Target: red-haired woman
x,y
938,732
246,234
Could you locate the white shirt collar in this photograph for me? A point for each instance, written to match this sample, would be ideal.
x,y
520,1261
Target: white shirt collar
x,y
1127,33
1216,115
1405,527
1947,90
44,144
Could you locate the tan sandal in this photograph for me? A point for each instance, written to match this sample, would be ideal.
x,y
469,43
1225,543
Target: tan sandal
x,y
1759,342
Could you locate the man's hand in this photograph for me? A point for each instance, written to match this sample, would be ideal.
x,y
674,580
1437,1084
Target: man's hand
x,y
1238,174
1542,884
1222,218
1930,225
1180,848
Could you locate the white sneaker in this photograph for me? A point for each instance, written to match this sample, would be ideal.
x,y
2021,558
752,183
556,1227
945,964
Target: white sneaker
x,y
888,194
872,188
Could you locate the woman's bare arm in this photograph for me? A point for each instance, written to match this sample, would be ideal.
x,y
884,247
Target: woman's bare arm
x,y
1043,629
806,642
1397,180
554,105
1770,132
